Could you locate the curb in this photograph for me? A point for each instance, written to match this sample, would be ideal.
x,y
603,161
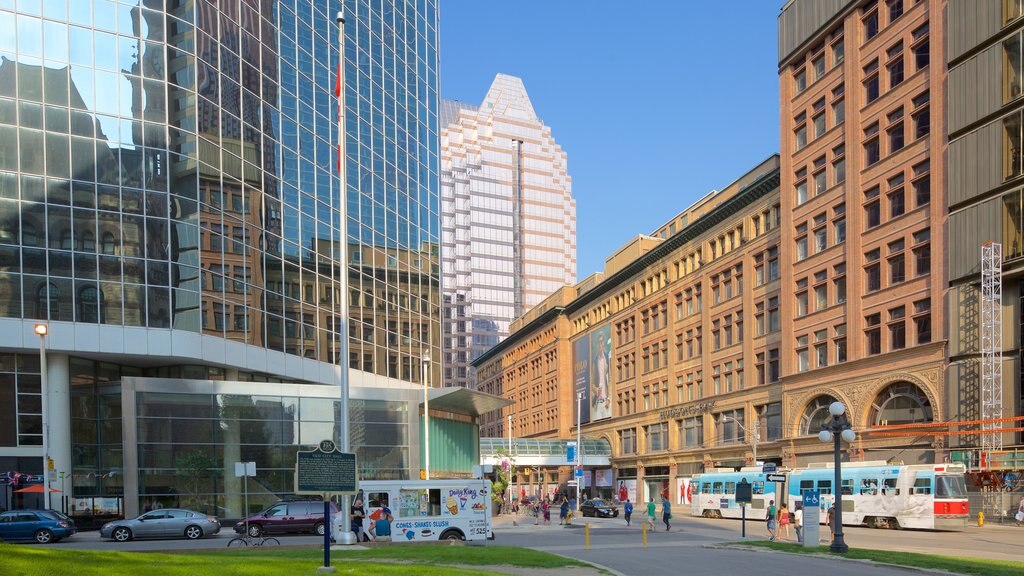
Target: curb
x,y
589,563
832,557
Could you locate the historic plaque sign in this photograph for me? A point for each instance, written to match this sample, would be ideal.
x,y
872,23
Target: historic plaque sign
x,y
325,470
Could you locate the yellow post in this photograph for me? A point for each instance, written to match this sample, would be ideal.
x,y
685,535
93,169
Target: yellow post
x,y
644,530
981,519
586,535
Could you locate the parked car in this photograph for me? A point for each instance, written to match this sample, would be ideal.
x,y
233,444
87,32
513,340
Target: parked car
x,y
42,526
163,523
599,509
288,517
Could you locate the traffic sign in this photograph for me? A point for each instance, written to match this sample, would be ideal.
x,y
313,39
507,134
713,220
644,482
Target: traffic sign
x,y
811,499
776,477
579,472
768,467
571,483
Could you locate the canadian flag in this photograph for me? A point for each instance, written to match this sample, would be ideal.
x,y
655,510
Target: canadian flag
x,y
337,94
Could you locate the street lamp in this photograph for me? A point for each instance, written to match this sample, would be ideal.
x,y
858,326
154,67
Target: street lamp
x,y
41,330
579,444
754,438
426,415
833,430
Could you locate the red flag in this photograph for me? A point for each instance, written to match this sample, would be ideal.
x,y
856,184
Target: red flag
x,y
337,83
337,94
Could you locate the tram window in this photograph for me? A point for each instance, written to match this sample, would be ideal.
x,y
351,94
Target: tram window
x,y
730,487
716,488
869,486
923,486
696,487
947,486
847,487
757,488
889,487
825,486
806,486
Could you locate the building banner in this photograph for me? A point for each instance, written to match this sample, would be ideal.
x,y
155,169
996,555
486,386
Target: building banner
x,y
600,380
627,490
581,376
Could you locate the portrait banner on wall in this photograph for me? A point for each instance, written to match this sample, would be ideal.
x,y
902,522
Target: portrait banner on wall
x,y
603,477
600,378
684,491
626,490
581,376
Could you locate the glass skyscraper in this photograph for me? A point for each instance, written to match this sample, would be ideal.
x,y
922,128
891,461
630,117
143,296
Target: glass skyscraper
x,y
170,205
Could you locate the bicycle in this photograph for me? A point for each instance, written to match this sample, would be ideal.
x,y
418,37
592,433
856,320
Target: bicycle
x,y
247,540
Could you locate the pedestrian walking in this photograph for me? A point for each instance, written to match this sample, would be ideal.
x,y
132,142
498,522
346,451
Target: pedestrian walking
x,y
784,522
651,509
563,511
830,519
1019,516
666,513
772,514
798,523
628,509
547,513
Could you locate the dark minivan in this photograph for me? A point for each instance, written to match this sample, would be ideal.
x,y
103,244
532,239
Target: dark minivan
x,y
289,516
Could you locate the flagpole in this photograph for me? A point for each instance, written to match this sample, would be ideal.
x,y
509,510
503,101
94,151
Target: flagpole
x,y
344,535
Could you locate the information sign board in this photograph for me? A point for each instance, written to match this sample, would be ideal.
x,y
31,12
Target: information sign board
x,y
325,470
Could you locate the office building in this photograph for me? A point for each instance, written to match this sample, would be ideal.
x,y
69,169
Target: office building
x,y
508,220
171,208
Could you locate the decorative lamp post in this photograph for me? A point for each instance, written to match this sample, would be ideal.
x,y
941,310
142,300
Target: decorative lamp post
x,y
41,330
832,431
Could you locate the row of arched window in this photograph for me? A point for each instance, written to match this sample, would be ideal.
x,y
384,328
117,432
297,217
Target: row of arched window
x,y
89,304
86,241
898,403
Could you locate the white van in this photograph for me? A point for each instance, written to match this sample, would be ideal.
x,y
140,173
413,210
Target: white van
x,y
425,510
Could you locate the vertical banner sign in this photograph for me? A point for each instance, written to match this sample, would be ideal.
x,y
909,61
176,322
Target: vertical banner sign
x,y
570,453
811,505
600,380
581,377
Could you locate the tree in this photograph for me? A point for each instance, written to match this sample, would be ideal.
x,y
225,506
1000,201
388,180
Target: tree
x,y
194,467
503,474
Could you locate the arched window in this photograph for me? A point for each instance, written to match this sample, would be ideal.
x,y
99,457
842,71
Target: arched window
x,y
49,302
816,415
88,305
88,242
901,403
108,243
28,235
66,243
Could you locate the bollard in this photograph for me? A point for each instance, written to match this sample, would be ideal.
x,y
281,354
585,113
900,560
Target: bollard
x,y
645,534
981,519
586,536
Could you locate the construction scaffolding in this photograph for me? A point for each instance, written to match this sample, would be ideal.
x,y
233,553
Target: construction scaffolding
x,y
991,348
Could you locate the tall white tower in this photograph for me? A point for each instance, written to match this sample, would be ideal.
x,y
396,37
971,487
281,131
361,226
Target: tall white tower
x,y
508,220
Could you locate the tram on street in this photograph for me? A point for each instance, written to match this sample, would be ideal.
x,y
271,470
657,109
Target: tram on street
x,y
875,494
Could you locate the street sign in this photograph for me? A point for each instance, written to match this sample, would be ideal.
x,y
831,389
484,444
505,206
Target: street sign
x,y
570,452
811,510
245,469
768,467
776,478
325,470
812,499
571,483
579,472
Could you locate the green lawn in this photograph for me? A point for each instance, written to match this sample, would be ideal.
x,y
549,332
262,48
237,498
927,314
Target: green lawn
x,y
31,560
973,566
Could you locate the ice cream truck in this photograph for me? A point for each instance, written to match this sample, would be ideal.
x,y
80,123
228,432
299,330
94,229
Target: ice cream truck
x,y
425,510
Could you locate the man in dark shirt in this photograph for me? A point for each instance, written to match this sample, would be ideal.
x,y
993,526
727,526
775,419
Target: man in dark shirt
x,y
357,513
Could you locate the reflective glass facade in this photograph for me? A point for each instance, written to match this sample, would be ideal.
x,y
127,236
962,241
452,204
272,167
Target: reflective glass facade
x,y
172,164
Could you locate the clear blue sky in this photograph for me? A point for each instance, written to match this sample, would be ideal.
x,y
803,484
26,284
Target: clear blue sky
x,y
655,103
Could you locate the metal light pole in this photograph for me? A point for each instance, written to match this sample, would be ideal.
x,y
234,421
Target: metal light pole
x,y
579,443
838,427
426,415
41,330
754,438
343,536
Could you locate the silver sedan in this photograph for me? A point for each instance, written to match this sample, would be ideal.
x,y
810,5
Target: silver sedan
x,y
163,523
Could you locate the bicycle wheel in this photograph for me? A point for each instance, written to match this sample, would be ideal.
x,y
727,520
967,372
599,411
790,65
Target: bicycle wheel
x,y
270,542
238,541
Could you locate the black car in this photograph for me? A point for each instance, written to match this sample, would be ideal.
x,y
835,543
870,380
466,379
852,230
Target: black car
x,y
599,509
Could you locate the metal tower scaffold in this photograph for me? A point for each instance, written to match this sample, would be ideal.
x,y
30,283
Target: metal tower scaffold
x,y
991,348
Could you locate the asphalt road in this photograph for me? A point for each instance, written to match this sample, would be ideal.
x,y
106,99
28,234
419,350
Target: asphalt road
x,y
690,547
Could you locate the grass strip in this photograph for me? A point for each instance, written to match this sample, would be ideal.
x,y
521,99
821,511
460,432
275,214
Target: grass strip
x,y
957,564
16,560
